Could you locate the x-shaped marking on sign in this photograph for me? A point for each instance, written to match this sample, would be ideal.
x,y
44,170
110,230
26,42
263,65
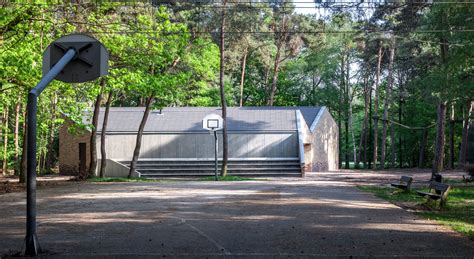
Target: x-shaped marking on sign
x,y
78,52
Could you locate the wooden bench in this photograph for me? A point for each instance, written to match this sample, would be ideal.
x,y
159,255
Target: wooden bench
x,y
404,184
437,191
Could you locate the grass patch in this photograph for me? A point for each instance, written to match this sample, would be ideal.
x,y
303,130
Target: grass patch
x,y
228,178
455,181
457,214
392,194
120,180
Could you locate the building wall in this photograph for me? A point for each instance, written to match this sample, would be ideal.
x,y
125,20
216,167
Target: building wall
x,y
201,145
69,149
321,145
189,145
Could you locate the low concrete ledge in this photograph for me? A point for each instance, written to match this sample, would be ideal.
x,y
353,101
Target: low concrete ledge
x,y
115,169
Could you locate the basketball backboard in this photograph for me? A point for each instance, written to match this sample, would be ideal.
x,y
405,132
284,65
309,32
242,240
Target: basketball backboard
x,y
90,62
213,122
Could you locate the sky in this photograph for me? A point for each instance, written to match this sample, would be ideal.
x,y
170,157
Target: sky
x,y
306,7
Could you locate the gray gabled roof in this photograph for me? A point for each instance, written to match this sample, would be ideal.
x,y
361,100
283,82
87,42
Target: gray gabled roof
x,y
189,119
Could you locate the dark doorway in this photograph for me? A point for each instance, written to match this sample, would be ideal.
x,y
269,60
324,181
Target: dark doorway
x,y
82,158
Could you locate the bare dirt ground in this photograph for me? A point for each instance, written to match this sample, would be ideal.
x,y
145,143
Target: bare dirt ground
x,y
10,184
323,214
421,177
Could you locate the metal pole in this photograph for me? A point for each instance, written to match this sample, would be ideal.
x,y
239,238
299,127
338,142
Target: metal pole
x,y
216,150
31,240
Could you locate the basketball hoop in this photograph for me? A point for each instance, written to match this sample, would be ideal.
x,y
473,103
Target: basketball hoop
x,y
213,123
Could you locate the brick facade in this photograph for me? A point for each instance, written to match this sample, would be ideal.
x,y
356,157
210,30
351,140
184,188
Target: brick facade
x,y
69,148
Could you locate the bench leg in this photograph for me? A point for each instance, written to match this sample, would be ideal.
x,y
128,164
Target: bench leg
x,y
442,202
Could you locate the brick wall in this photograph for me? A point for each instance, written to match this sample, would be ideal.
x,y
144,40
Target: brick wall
x,y
69,149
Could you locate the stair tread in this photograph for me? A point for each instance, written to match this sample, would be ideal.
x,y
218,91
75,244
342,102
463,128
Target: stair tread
x,y
190,174
211,168
233,164
212,160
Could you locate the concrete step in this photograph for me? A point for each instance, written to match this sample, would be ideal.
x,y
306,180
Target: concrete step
x,y
193,167
200,161
230,166
212,163
246,174
212,169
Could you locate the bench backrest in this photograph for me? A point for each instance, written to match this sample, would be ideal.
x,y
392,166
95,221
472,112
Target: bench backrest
x,y
439,187
406,179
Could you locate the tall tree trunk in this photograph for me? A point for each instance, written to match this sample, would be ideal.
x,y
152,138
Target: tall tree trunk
x,y
5,141
346,140
266,85
440,139
351,129
438,158
400,112
351,121
93,139
387,101
242,76
103,154
465,131
276,68
23,164
348,110
370,139
138,144
392,146
376,106
1,134
450,164
225,148
339,111
16,136
48,162
424,137
363,132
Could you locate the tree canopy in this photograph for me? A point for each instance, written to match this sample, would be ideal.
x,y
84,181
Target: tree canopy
x,y
274,55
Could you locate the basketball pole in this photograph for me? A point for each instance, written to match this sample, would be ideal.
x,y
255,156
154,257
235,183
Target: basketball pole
x,y
31,240
216,152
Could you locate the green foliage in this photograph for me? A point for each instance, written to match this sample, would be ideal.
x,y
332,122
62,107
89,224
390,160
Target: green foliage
x,y
458,213
162,52
164,62
392,194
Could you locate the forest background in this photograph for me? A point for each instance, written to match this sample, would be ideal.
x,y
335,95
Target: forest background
x,y
398,77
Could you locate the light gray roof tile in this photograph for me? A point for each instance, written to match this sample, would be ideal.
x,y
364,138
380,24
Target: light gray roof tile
x,y
188,119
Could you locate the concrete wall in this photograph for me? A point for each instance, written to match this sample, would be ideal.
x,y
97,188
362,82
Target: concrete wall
x,y
321,143
114,169
69,149
160,145
201,145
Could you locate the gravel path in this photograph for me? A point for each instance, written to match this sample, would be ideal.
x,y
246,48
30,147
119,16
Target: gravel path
x,y
323,214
